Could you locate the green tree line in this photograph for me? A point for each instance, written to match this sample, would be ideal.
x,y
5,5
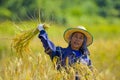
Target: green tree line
x,y
57,10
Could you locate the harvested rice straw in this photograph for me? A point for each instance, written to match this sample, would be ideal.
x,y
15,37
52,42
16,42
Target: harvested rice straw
x,y
21,42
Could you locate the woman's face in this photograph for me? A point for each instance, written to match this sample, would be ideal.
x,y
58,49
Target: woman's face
x,y
76,40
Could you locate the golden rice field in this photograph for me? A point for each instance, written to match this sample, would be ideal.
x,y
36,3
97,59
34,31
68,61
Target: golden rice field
x,y
36,65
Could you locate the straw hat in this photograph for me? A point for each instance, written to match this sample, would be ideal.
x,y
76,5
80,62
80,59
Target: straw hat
x,y
80,29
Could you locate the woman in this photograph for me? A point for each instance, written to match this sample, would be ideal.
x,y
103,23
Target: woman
x,y
77,38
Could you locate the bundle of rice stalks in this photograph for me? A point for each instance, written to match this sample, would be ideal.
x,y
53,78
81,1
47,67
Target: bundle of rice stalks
x,y
21,41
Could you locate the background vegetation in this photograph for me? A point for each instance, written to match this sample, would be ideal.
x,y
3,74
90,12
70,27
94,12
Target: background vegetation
x,y
100,17
62,11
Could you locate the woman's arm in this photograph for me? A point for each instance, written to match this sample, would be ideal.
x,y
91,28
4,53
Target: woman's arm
x,y
49,47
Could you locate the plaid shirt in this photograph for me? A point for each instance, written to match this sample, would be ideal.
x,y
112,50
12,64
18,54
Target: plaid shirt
x,y
63,53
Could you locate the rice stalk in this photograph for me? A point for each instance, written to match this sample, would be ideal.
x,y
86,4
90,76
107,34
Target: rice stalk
x,y
82,71
22,41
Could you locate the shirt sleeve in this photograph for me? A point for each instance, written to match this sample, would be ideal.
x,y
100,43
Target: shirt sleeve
x,y
49,47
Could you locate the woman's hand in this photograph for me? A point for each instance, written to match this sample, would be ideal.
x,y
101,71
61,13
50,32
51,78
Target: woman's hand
x,y
42,27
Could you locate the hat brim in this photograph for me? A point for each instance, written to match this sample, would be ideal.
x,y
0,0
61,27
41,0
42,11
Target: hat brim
x,y
70,31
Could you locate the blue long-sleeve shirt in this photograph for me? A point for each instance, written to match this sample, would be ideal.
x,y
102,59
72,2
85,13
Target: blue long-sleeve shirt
x,y
63,53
